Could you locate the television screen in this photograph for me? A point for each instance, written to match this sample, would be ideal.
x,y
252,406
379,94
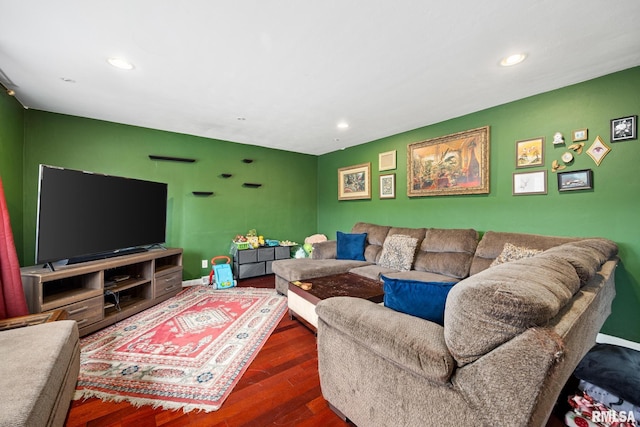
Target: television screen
x,y
84,215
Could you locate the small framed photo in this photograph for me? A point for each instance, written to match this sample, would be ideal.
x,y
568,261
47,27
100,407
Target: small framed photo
x,y
530,153
387,161
624,128
388,186
575,180
580,135
530,183
354,182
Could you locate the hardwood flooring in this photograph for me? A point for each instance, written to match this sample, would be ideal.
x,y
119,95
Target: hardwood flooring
x,y
280,388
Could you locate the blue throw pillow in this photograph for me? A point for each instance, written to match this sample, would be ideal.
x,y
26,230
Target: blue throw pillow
x,y
351,245
420,299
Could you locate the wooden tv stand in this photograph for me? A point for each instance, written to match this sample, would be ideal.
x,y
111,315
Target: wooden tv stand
x,y
99,293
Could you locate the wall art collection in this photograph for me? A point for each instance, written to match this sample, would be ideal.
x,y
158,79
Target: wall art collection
x,y
458,164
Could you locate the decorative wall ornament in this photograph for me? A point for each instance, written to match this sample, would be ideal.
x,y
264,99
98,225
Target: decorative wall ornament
x,y
624,128
580,135
530,183
387,160
558,139
354,182
598,150
449,165
388,186
530,153
555,166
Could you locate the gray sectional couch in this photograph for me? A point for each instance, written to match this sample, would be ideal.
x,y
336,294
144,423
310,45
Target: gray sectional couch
x,y
513,333
38,373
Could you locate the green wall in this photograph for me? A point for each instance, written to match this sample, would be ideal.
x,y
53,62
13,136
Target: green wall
x,y
11,144
295,202
611,210
283,208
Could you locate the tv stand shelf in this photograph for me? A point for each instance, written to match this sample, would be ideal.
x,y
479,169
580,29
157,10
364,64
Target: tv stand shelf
x,y
99,293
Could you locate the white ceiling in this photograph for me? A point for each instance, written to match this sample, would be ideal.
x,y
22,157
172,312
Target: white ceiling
x,y
294,69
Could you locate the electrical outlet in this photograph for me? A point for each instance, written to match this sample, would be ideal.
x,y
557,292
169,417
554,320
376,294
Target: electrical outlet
x,y
205,263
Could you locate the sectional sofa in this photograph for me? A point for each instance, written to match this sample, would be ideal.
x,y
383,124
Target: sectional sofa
x,y
513,330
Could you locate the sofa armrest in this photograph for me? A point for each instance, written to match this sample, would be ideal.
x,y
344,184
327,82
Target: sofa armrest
x,y
411,342
325,250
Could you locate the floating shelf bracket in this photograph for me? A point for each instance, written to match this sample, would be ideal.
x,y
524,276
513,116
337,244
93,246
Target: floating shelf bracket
x,y
247,160
251,185
171,159
226,175
202,193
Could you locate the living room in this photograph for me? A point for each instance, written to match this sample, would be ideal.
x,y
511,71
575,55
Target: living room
x,y
298,196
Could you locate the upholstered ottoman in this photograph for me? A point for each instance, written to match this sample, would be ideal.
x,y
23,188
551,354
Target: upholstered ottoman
x,y
38,373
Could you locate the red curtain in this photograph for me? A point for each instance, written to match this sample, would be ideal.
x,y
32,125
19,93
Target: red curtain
x,y
12,300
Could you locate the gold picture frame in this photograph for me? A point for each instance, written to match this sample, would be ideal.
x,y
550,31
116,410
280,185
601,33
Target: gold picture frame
x,y
449,165
387,161
354,182
530,153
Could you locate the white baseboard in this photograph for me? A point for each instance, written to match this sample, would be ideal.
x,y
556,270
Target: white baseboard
x,y
204,280
609,339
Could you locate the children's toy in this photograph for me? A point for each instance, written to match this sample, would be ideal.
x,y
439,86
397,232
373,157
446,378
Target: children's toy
x,y
222,273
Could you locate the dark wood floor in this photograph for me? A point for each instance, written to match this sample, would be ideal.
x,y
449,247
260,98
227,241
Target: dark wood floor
x,y
281,387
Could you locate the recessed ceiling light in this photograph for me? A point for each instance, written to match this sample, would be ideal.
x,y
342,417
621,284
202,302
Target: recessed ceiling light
x,y
343,125
67,80
513,59
123,64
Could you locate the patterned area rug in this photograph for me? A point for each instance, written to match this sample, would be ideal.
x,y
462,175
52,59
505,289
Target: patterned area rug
x,y
185,353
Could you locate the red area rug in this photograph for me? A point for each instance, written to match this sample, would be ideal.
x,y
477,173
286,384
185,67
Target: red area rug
x,y
185,353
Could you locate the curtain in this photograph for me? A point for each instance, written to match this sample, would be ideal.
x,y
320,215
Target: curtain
x,y
12,300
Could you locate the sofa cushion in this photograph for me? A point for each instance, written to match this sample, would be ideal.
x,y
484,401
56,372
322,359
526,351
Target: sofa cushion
x,y
512,252
375,238
38,373
493,306
397,252
351,246
407,341
447,251
306,268
492,244
422,299
586,256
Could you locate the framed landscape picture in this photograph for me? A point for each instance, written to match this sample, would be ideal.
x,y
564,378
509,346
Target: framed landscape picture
x,y
354,182
575,180
449,165
530,153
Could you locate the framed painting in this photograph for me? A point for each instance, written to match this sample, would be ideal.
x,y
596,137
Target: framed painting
x,y
354,182
530,183
387,161
624,128
575,180
449,165
388,186
530,153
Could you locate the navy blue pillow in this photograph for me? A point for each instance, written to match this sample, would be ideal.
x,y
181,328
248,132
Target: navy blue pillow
x,y
351,245
420,299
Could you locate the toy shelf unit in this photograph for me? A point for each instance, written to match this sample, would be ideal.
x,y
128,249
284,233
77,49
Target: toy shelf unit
x,y
99,293
257,262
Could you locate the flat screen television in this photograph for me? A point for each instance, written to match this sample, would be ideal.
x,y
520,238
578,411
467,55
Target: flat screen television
x,y
84,215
